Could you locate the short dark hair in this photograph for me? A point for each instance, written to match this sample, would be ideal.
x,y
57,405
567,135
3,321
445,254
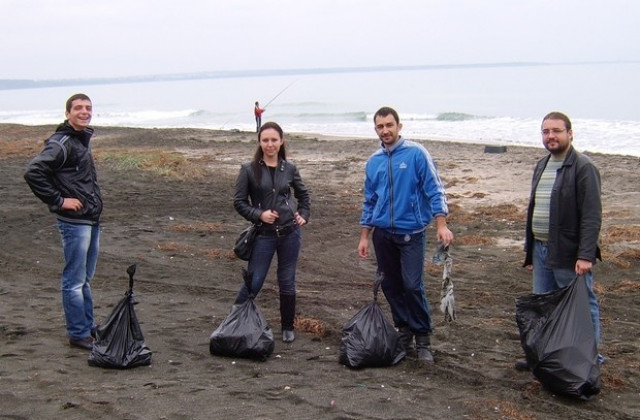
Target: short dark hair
x,y
555,115
384,111
75,97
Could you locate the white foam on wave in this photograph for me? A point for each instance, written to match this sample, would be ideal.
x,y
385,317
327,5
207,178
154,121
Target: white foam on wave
x,y
618,137
35,117
144,118
601,136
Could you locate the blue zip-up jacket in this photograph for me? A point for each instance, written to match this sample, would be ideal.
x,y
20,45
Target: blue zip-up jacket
x,y
402,190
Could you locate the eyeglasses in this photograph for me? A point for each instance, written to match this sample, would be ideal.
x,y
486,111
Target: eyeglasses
x,y
553,130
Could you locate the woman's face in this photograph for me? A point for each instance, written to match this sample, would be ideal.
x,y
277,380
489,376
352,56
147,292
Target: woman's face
x,y
270,142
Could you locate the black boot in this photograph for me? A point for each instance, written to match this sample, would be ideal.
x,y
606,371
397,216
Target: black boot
x,y
287,314
423,342
522,365
405,339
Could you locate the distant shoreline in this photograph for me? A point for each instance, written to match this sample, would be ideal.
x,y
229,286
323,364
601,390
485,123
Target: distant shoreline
x,y
319,137
17,84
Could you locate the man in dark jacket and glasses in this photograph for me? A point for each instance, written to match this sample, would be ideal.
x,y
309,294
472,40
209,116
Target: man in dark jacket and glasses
x,y
564,217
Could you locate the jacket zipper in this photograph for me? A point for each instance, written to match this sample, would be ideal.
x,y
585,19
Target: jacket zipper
x,y
389,168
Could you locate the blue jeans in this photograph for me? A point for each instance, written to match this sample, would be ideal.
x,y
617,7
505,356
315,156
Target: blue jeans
x,y
80,244
549,279
288,248
401,259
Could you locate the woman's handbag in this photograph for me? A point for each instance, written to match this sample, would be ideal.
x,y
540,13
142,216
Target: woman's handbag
x,y
244,243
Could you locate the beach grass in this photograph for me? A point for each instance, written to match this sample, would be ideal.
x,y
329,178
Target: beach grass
x,y
165,163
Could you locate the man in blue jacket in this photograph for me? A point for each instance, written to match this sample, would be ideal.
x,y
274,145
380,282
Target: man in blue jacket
x,y
64,177
402,194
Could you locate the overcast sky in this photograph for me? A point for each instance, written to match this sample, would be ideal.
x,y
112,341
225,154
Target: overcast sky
x,y
47,39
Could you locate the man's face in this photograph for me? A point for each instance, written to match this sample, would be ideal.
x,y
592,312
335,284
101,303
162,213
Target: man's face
x,y
555,136
387,129
80,115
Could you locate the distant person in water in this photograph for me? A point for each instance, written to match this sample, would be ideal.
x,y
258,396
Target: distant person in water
x,y
257,111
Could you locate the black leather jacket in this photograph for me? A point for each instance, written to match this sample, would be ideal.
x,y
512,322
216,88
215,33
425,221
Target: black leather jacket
x,y
251,199
65,168
575,213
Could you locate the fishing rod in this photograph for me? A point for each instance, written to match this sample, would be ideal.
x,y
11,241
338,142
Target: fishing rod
x,y
226,122
264,107
280,93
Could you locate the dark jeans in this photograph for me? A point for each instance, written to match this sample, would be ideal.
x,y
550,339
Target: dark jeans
x,y
401,259
288,248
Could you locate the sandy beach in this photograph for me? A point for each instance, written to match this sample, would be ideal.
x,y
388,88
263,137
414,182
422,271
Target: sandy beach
x,y
168,209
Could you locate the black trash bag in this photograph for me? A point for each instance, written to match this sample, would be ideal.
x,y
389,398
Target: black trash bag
x,y
119,341
244,332
369,339
557,335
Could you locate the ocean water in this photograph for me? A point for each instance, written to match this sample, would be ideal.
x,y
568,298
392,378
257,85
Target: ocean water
x,y
498,105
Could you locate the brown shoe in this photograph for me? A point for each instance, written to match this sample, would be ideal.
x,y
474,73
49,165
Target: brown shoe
x,y
85,343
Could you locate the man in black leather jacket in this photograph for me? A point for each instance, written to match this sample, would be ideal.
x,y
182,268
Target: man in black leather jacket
x,y
63,176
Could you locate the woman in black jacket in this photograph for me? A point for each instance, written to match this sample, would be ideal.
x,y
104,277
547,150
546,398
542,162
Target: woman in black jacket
x,y
263,196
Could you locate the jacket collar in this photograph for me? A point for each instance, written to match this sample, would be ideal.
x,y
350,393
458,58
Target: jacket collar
x,y
84,136
281,164
569,159
394,146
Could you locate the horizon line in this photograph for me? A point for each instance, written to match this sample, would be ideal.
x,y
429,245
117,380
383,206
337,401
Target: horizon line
x,y
17,84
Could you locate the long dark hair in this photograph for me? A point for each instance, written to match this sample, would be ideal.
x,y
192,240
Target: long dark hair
x,y
259,154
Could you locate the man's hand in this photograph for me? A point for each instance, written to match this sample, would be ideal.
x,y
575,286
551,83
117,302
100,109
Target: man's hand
x,y
71,204
443,234
583,267
363,245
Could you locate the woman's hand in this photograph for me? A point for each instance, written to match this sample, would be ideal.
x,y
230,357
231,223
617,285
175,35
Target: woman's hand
x,y
269,216
299,220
